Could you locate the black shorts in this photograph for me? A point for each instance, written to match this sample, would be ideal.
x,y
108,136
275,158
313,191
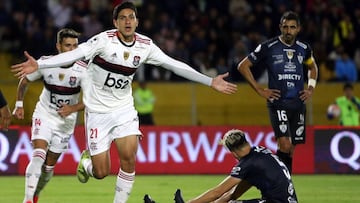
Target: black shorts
x,y
289,123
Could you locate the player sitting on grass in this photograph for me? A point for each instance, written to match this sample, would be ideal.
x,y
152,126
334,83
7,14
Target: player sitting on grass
x,y
258,167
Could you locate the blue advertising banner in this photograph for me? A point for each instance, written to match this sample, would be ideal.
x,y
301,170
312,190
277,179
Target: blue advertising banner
x,y
337,150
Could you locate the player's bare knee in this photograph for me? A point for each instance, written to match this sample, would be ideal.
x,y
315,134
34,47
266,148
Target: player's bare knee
x,y
128,166
101,173
128,161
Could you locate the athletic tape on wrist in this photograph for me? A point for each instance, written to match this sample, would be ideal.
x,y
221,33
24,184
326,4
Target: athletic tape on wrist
x,y
19,104
312,82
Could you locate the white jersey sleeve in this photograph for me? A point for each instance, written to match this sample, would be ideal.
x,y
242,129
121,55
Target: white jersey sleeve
x,y
94,45
63,59
159,58
38,73
34,76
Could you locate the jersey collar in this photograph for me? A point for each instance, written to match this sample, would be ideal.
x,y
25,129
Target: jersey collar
x,y
125,44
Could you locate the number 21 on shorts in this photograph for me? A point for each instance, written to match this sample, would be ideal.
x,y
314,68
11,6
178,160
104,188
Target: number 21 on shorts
x,y
93,133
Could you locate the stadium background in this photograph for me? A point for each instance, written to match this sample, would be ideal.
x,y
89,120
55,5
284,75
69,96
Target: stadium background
x,y
212,36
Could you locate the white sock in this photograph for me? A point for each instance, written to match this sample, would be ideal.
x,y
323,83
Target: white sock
x,y
33,172
88,166
124,183
45,177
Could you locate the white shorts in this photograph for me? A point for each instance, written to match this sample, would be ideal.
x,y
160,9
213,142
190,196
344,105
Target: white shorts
x,y
103,128
44,129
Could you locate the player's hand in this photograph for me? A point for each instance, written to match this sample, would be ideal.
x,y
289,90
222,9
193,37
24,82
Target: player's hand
x,y
65,110
306,94
18,112
5,118
269,94
222,85
29,66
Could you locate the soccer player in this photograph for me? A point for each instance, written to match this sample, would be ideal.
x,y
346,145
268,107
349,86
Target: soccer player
x,y
285,58
5,114
55,114
110,115
257,166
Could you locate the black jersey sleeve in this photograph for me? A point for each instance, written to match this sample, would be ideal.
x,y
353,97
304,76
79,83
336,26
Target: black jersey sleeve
x,y
258,54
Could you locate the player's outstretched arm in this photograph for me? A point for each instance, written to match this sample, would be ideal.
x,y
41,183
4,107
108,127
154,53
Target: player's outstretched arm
x,y
222,85
29,66
159,58
62,59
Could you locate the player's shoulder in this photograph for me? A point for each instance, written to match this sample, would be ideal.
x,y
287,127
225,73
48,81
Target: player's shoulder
x,y
271,42
107,34
143,39
267,44
302,44
80,66
264,46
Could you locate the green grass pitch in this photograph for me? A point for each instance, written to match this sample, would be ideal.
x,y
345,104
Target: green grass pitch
x,y
67,189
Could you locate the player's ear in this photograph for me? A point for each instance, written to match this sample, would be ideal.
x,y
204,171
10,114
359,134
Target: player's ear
x,y
115,23
58,47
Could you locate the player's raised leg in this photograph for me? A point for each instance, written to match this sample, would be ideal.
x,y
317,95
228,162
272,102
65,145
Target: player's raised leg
x,y
84,168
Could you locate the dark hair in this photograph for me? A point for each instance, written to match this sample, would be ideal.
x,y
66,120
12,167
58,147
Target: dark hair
x,y
348,86
290,15
65,33
123,5
233,139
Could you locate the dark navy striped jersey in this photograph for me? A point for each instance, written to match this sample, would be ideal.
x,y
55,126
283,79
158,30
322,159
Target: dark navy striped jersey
x,y
262,169
285,65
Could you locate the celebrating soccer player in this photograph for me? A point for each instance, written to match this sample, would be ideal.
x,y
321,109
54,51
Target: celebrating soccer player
x,y
110,116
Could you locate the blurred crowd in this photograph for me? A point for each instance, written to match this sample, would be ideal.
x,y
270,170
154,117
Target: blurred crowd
x,y
210,35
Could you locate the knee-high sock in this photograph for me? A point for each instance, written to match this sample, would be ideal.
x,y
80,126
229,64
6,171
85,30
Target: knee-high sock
x,y
286,158
124,183
46,175
33,172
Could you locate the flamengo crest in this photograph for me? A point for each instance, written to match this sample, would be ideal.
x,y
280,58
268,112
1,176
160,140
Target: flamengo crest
x,y
126,55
